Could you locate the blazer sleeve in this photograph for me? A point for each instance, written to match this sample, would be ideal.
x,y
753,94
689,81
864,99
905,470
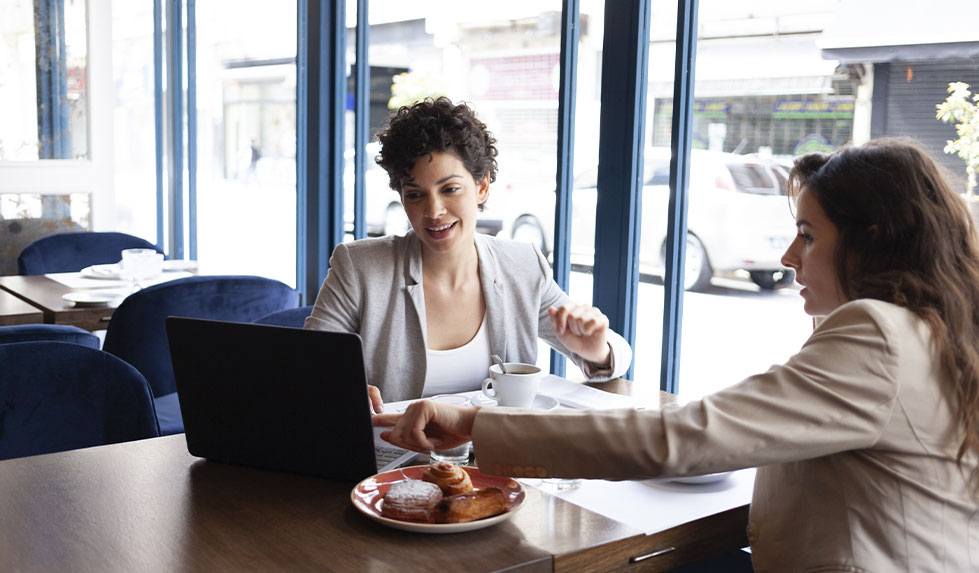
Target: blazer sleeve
x,y
337,306
552,295
837,394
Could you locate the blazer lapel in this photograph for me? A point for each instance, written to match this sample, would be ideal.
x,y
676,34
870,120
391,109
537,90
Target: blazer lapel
x,y
413,283
494,292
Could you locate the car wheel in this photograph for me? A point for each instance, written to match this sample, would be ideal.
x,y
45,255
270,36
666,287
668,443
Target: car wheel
x,y
771,280
697,271
528,229
395,220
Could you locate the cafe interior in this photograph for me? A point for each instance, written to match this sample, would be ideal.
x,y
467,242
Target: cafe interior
x,y
176,158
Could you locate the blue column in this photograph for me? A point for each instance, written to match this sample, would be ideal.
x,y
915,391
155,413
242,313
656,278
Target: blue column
x,y
567,93
676,230
620,163
321,96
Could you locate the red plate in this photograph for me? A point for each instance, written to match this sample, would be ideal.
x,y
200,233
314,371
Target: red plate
x,y
368,496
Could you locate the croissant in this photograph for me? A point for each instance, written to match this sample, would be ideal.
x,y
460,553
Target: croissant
x,y
449,477
470,506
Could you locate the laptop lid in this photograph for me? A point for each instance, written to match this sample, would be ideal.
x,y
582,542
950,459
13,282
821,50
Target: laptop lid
x,y
273,397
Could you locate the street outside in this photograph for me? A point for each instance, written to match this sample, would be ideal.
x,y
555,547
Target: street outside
x,y
729,332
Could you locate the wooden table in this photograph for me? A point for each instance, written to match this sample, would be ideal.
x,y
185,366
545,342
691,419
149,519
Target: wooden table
x,y
45,294
151,506
15,311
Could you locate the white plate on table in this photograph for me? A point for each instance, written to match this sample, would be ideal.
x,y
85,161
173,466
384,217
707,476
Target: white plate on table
x,y
700,480
113,271
93,297
541,402
368,498
107,272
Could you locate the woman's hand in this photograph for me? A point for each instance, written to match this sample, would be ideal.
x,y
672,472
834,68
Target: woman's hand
x,y
428,425
582,328
377,405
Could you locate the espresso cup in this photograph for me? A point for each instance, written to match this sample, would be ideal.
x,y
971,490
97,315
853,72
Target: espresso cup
x,y
516,388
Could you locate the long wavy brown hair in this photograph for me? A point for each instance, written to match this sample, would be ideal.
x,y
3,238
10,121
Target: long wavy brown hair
x,y
906,238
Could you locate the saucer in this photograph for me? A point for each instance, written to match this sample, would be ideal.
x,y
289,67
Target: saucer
x,y
541,402
94,297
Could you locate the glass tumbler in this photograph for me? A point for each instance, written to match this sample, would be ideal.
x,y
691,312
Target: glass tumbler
x,y
458,455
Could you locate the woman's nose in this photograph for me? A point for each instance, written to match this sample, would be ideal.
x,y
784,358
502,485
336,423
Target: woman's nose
x,y
790,259
435,208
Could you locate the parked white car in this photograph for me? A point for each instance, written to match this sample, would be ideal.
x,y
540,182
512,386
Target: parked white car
x,y
738,218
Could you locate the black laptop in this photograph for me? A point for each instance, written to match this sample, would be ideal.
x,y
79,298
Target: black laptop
x,y
278,398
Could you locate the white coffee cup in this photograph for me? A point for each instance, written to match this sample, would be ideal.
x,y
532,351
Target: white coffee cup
x,y
516,388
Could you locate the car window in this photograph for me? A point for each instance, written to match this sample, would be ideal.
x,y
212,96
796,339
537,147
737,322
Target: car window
x,y
752,178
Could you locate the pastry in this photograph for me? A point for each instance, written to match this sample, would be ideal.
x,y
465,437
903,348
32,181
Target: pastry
x,y
451,478
411,500
470,506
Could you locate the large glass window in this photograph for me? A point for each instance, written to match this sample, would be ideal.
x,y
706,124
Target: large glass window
x,y
246,138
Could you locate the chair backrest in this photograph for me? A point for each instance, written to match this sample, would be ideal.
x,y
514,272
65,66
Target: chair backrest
x,y
57,396
69,252
49,332
16,234
137,333
294,317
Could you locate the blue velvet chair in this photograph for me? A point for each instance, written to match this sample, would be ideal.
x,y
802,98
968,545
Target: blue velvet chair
x,y
48,332
69,252
57,396
294,317
137,333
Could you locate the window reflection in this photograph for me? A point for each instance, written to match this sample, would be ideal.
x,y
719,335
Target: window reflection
x,y
43,80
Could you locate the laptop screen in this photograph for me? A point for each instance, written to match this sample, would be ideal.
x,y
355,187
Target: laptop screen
x,y
273,397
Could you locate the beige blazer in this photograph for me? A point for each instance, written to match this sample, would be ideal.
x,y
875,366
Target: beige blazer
x,y
374,288
854,439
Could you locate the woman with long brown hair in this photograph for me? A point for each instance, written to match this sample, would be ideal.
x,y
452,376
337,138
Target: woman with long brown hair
x,y
866,440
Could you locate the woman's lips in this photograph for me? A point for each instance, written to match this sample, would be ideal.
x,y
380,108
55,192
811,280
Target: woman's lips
x,y
440,231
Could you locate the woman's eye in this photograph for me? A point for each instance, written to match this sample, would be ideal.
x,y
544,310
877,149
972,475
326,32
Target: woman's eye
x,y
450,189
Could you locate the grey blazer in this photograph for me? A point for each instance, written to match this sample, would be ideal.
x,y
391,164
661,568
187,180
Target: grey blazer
x,y
374,288
854,439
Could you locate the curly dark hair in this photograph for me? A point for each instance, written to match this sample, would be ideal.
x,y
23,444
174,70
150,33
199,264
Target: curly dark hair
x,y
906,238
435,125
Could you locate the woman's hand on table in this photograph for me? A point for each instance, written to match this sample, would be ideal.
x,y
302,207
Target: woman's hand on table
x,y
428,425
581,328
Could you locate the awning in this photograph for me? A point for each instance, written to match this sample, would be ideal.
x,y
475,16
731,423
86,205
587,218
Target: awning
x,y
784,65
880,31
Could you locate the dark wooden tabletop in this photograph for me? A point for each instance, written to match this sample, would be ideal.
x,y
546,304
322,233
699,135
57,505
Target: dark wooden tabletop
x,y
151,506
16,311
45,294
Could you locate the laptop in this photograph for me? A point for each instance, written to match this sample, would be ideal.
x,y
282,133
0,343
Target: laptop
x,y
278,398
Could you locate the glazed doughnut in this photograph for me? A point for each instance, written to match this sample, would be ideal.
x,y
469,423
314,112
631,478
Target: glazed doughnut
x,y
411,500
449,477
470,506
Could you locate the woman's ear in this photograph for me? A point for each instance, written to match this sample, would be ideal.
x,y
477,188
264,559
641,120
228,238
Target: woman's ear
x,y
482,189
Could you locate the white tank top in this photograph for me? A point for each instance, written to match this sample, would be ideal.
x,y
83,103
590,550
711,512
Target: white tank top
x,y
459,369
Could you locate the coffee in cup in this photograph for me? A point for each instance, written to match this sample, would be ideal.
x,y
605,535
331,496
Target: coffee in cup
x,y
516,388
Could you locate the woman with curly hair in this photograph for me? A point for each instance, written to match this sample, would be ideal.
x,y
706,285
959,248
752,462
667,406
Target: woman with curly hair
x,y
866,441
432,306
